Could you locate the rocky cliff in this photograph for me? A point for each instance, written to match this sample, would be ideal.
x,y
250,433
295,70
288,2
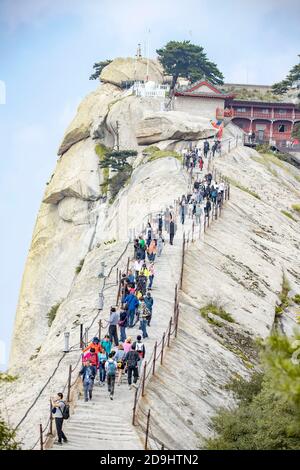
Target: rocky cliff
x,y
241,262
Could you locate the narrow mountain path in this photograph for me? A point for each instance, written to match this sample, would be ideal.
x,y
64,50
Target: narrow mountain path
x,y
105,424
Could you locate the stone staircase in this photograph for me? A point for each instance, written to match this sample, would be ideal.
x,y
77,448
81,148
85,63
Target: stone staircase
x,y
101,423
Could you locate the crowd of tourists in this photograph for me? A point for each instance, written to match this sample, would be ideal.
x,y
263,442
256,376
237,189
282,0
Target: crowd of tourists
x,y
194,158
205,192
117,354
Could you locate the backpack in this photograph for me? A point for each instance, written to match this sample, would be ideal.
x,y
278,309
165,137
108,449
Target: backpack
x,y
111,368
65,411
139,347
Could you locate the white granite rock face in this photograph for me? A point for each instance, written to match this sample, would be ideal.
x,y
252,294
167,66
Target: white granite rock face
x,y
173,125
129,69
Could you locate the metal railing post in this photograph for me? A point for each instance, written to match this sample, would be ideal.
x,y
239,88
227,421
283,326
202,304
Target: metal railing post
x,y
147,430
176,324
127,267
175,300
154,358
81,336
69,382
51,419
144,378
119,289
41,437
134,407
162,349
169,332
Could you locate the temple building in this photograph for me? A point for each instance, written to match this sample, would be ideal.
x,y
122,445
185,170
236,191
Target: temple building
x,y
270,122
202,99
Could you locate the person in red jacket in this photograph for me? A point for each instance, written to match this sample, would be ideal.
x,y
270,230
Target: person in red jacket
x,y
92,357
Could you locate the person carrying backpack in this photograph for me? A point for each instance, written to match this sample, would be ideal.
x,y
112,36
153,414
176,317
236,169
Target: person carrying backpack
x,y
102,357
111,370
123,325
131,359
60,411
88,376
140,348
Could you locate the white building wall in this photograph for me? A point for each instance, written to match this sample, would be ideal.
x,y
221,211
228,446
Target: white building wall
x,y
205,107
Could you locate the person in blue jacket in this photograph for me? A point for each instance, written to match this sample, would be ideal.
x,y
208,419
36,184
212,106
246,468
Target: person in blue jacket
x,y
131,302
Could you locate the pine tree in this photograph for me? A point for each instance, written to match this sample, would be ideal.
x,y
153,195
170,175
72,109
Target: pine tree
x,y
99,66
292,80
183,59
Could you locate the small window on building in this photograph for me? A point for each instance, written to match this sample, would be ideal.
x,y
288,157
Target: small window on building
x,y
281,128
282,111
241,110
265,111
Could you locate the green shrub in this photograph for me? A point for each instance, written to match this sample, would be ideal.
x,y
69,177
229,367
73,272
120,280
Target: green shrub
x,y
296,299
8,437
215,310
4,377
101,151
263,148
163,154
296,207
243,188
79,267
289,215
52,313
150,150
267,415
118,181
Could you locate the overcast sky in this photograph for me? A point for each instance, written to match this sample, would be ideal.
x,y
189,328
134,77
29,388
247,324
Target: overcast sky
x,y
47,49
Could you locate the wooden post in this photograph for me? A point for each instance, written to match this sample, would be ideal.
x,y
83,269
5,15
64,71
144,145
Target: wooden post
x,y
144,378
169,332
147,430
162,348
117,276
134,407
69,383
41,438
81,336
